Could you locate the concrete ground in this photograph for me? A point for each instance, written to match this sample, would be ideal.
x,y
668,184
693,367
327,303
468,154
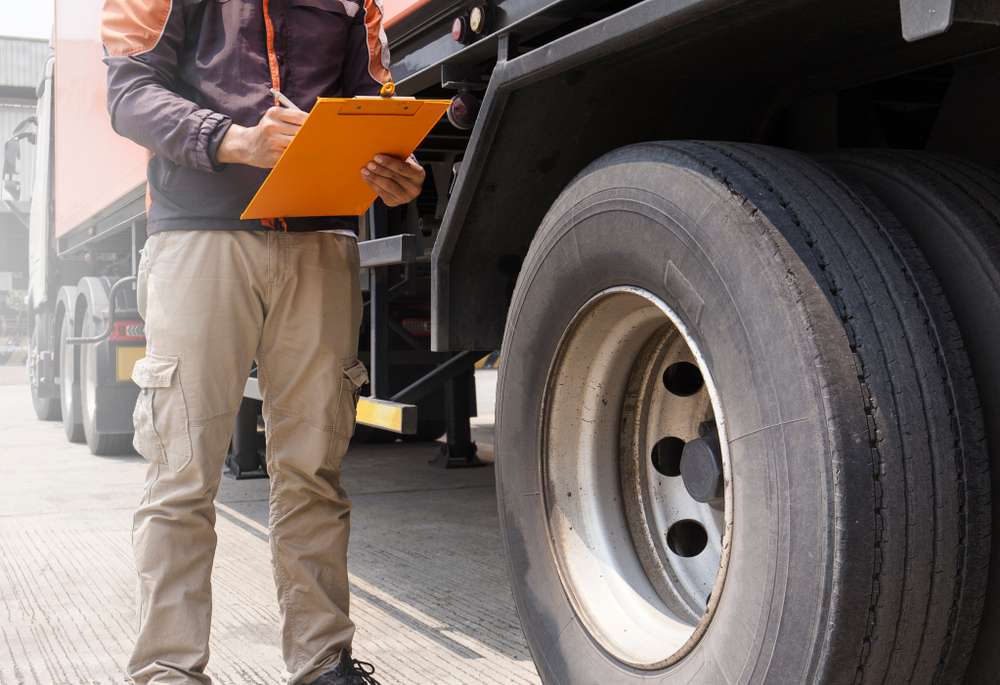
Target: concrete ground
x,y
430,592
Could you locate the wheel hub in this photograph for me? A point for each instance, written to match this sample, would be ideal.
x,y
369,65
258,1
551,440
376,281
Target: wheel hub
x,y
635,466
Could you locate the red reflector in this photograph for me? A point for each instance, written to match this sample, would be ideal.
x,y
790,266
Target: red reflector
x,y
459,29
417,327
128,330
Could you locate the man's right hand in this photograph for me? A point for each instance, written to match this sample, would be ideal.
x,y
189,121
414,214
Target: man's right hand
x,y
262,145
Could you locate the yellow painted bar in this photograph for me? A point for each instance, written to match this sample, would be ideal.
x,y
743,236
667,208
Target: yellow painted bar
x,y
126,358
380,415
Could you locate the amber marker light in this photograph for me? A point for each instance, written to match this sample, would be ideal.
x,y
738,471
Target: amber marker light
x,y
477,19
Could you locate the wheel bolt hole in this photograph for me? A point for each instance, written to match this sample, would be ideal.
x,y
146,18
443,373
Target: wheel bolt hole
x,y
687,538
667,456
683,379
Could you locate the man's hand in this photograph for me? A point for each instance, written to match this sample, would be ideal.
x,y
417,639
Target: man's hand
x,y
262,145
397,182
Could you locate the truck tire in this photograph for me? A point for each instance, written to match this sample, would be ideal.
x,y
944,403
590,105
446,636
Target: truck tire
x,y
69,388
737,439
46,409
100,443
951,208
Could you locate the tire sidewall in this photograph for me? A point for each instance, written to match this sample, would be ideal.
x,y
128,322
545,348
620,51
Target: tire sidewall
x,y
88,368
40,405
722,268
69,397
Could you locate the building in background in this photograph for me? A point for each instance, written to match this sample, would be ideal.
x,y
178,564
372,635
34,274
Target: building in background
x,y
22,66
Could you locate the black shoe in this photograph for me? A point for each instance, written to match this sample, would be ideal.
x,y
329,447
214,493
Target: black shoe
x,y
348,672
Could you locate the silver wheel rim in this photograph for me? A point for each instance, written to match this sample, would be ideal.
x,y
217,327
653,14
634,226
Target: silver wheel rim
x,y
642,562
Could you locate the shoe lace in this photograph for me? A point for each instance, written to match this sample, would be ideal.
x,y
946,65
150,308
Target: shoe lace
x,y
361,671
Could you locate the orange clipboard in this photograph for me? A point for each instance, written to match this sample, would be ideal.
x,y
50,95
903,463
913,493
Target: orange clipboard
x,y
319,174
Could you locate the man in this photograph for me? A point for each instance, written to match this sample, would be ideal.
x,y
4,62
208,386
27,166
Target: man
x,y
189,80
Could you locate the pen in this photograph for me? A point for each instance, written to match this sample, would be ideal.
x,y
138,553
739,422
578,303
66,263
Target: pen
x,y
283,100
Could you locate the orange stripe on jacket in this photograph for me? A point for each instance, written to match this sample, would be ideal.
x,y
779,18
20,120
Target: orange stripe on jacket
x,y
272,61
378,44
149,194
272,57
131,27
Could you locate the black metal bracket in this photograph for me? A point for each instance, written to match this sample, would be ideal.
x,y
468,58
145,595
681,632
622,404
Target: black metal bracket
x,y
395,249
459,452
460,76
460,363
244,460
378,302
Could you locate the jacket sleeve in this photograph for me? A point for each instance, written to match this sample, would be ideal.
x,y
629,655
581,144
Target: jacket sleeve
x,y
366,57
142,39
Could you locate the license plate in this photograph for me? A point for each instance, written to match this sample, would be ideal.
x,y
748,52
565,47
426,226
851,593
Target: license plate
x,y
127,357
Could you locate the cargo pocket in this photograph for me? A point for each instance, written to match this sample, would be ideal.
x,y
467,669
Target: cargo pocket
x,y
355,375
162,434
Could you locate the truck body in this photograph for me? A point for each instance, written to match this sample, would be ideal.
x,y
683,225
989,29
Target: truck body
x,y
742,259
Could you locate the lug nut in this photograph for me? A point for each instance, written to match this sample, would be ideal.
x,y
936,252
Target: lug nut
x,y
701,470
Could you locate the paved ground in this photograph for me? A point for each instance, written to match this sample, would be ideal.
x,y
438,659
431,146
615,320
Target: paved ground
x,y
13,375
431,596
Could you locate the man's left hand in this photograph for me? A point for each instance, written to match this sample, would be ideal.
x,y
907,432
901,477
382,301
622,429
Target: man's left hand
x,y
397,182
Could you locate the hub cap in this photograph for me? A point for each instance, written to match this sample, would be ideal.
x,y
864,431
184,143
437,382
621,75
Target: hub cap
x,y
629,404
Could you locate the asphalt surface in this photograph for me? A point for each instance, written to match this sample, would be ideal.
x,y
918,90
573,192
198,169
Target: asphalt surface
x,y
430,591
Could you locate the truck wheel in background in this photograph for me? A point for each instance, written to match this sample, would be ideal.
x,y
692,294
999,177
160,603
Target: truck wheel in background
x,y
951,208
100,443
46,409
69,388
736,433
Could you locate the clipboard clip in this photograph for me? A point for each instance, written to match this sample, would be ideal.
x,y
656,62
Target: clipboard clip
x,y
388,90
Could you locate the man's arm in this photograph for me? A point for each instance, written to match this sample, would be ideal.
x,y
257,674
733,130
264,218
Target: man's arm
x,y
142,42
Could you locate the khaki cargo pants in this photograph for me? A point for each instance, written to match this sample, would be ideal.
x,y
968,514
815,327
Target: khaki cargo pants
x,y
213,302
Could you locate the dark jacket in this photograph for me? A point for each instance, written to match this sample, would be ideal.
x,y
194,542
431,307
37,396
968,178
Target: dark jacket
x,y
180,72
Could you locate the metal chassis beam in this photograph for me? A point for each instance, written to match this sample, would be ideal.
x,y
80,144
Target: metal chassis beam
x,y
395,249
